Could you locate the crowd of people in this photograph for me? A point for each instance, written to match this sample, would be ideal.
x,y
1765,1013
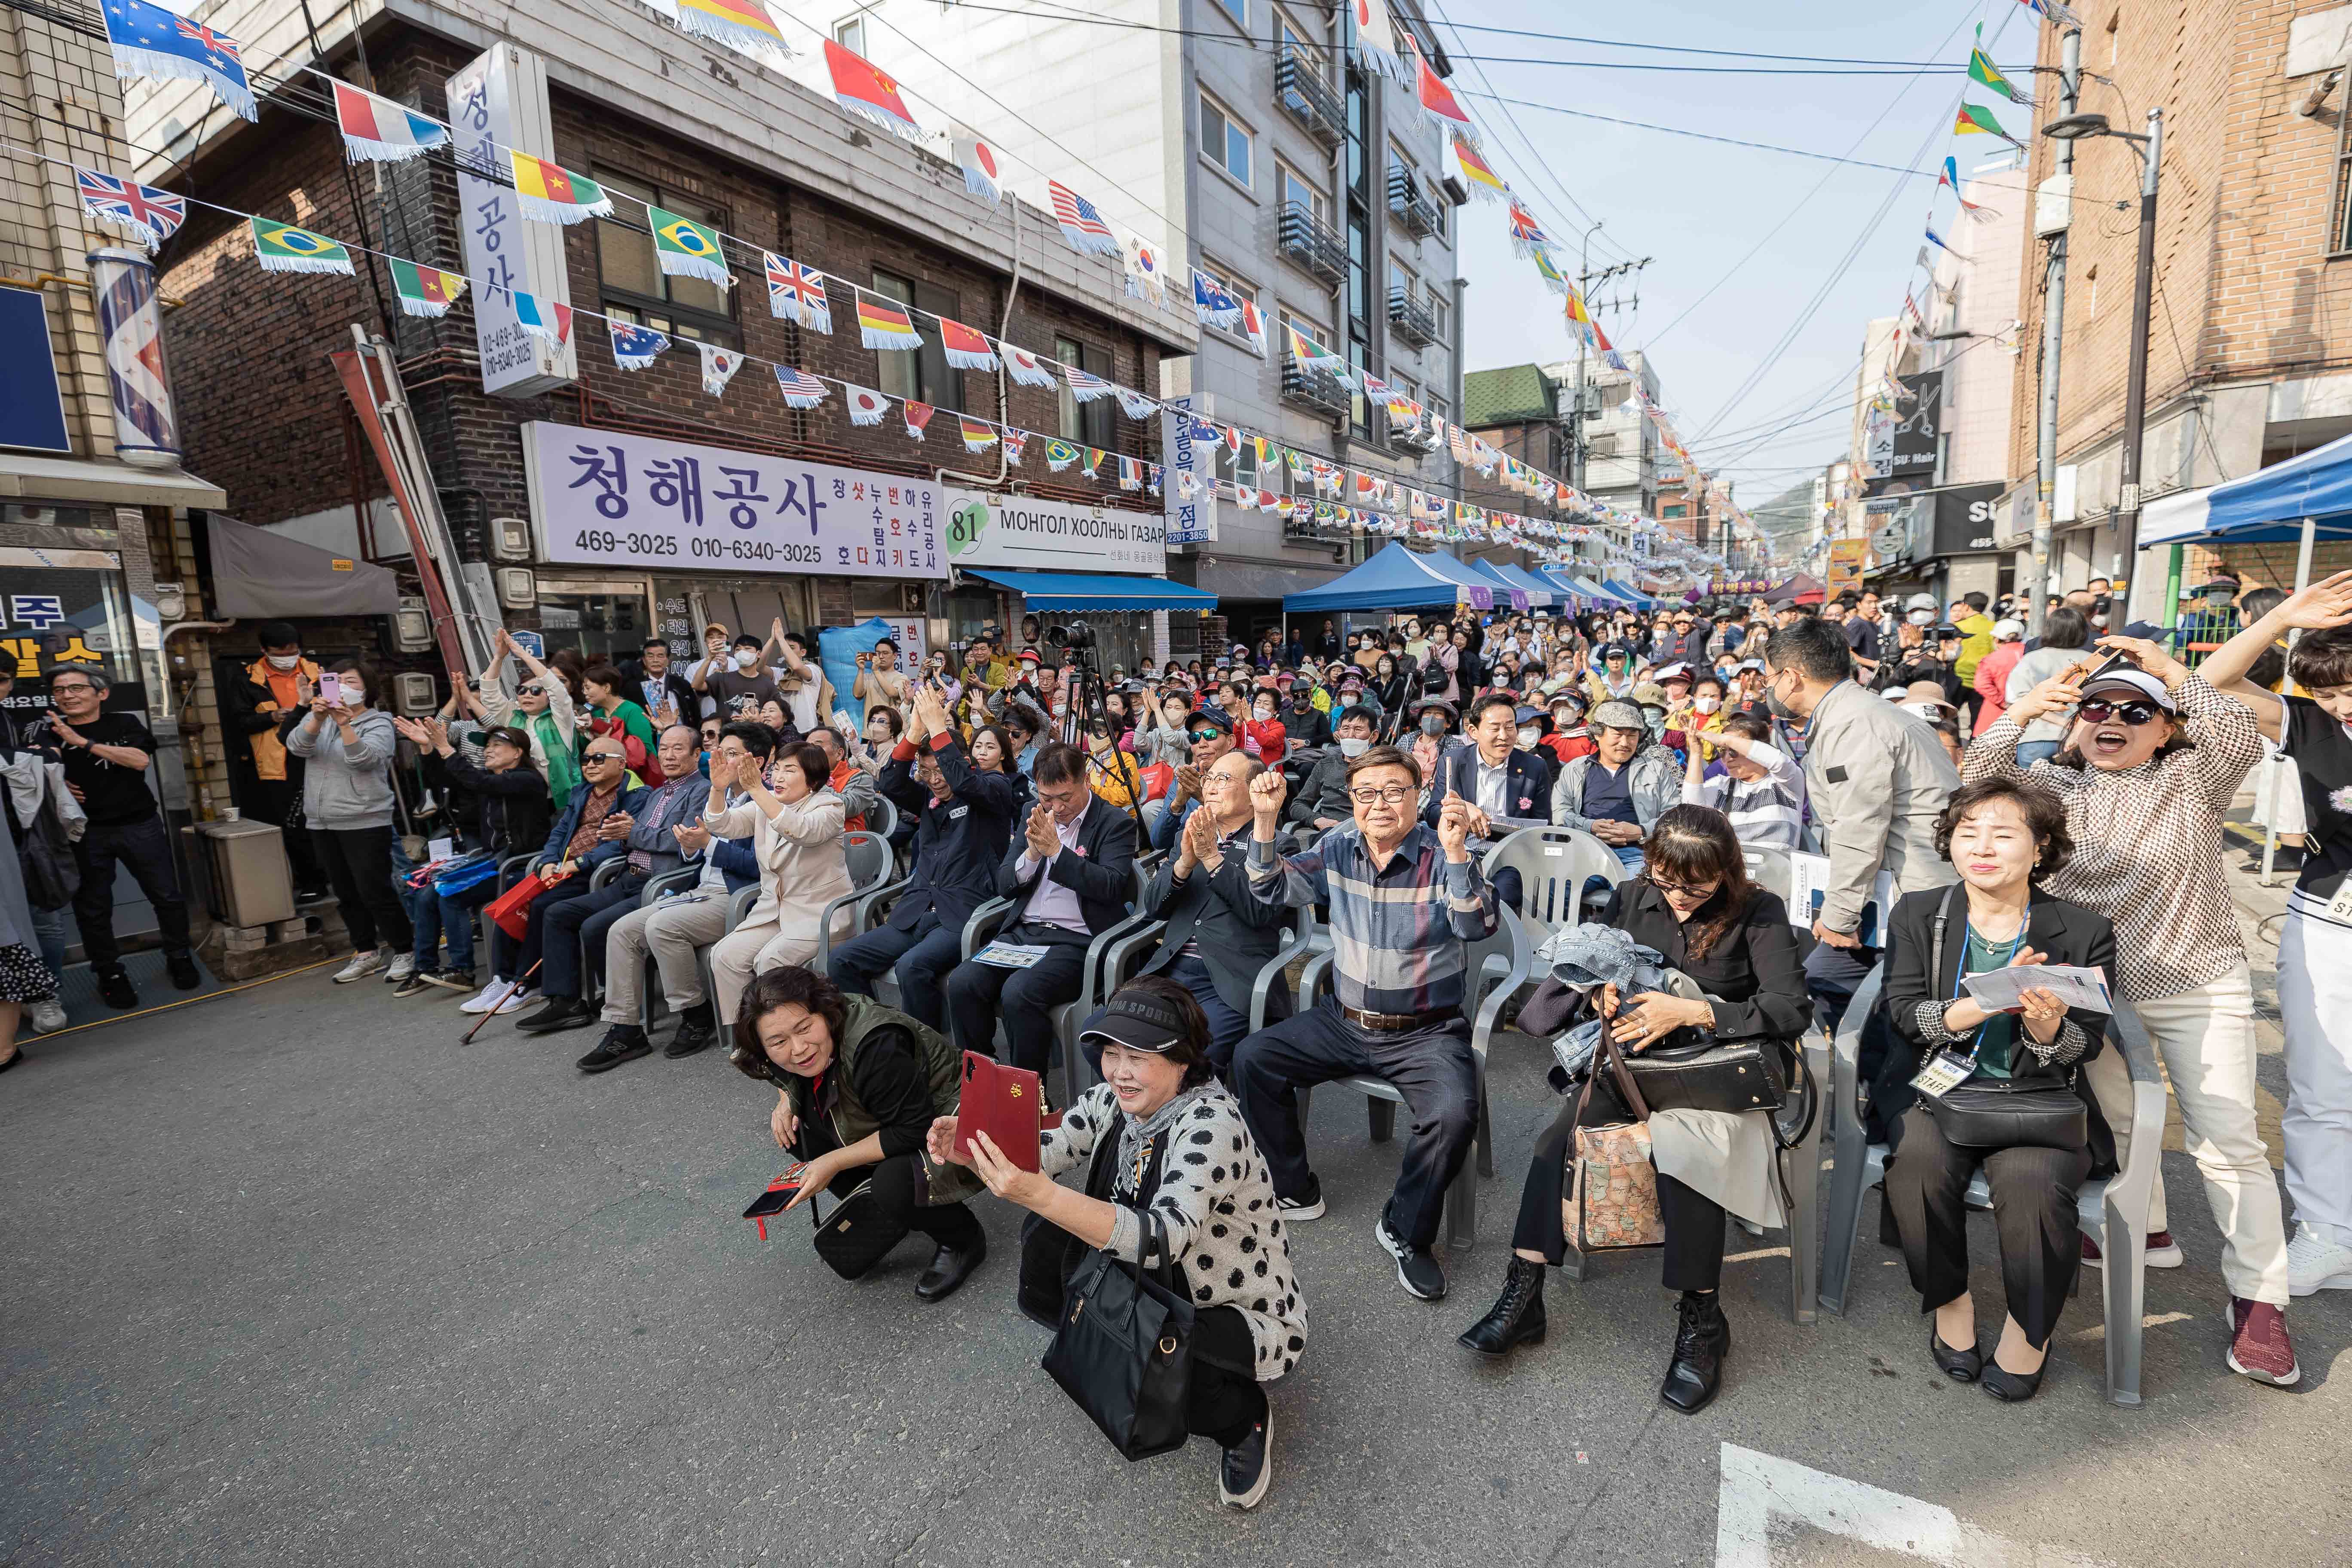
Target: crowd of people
x,y
1981,801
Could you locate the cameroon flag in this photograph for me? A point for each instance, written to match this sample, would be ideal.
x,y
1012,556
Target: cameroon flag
x,y
553,193
282,247
1973,120
424,291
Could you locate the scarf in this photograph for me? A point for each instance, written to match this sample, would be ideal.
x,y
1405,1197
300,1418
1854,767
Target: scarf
x,y
562,767
1133,1134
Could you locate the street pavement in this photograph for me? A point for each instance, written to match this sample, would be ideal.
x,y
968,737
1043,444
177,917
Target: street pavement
x,y
292,1276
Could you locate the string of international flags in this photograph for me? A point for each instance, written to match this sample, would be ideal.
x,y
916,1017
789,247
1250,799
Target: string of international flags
x,y
149,40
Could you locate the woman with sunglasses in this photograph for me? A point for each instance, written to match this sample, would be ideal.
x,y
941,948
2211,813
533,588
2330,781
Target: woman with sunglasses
x,y
2153,756
1732,940
542,708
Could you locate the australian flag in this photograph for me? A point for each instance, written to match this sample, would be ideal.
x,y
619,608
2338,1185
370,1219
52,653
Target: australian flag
x,y
147,214
150,41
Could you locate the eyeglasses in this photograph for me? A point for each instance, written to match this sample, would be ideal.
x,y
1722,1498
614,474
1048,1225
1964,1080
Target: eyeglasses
x,y
1688,890
1391,795
2132,713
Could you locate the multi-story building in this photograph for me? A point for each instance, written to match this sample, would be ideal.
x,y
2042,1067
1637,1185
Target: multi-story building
x,y
2248,351
1622,452
1248,143
596,505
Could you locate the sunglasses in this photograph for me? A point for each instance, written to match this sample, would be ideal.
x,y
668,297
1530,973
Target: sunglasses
x,y
603,757
531,691
1208,734
2132,713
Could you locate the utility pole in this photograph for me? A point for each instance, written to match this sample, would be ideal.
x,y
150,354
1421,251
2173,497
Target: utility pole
x,y
2136,375
2054,316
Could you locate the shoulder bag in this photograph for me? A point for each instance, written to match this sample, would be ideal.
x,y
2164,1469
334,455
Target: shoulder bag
x,y
851,1239
1123,1349
1613,1187
1692,1069
2002,1114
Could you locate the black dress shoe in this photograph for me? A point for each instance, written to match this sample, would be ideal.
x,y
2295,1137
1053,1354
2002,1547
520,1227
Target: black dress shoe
x,y
1702,1340
558,1012
951,1266
185,976
622,1043
115,986
2011,1387
1960,1366
693,1034
1517,1318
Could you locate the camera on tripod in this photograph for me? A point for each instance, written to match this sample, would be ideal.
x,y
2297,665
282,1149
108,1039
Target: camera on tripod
x,y
1077,635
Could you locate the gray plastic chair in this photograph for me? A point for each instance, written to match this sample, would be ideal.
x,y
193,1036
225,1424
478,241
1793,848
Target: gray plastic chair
x,y
2112,1212
1554,864
868,853
1771,870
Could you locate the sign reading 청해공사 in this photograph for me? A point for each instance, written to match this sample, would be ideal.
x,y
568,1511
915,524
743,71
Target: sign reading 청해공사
x,y
606,498
1029,532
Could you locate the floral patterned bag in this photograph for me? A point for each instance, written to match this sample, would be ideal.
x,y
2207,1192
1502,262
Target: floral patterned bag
x,y
1611,1191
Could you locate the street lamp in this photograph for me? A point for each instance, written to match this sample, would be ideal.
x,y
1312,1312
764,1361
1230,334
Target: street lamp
x,y
2150,148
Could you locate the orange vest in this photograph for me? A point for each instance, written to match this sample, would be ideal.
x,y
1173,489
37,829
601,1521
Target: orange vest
x,y
269,751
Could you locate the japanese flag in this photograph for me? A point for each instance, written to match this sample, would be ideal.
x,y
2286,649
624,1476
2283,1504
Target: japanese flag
x,y
866,406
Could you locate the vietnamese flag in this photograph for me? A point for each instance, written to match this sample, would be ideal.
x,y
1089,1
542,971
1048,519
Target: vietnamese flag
x,y
862,88
966,349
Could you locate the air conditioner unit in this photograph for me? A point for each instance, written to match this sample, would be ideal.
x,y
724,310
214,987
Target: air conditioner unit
x,y
511,538
517,589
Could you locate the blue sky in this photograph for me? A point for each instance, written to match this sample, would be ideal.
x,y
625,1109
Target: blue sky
x,y
1697,208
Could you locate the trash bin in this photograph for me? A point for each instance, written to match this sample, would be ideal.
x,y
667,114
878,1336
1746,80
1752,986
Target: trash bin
x,y
251,883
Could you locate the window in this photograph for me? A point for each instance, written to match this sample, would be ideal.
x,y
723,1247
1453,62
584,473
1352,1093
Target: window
x,y
1291,186
850,33
1238,10
1436,304
634,285
2340,238
923,373
1224,142
1287,35
1400,280
1086,422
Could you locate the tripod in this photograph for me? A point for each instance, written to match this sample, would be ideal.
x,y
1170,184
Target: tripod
x,y
1086,708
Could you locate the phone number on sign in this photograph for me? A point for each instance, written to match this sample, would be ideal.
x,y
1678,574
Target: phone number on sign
x,y
703,549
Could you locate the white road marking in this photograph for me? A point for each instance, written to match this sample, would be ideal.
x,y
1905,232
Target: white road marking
x,y
1756,1487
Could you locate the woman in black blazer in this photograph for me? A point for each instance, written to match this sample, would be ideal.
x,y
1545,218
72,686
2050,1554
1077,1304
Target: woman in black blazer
x,y
2003,837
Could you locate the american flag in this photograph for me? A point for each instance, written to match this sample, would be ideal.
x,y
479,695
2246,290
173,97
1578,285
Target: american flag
x,y
1082,226
1085,386
801,389
797,292
151,215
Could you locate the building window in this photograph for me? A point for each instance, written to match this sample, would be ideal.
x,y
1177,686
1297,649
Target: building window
x,y
1400,280
1288,36
2341,231
923,373
1290,185
1238,10
1086,422
1224,142
635,288
1234,286
850,33
1436,304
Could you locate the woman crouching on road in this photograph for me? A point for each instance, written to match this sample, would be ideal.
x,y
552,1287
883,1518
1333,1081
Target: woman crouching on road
x,y
1162,1134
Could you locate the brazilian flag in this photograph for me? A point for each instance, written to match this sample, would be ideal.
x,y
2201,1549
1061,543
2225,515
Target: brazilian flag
x,y
686,248
282,247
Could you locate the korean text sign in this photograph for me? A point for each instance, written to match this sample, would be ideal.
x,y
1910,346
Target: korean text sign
x,y
606,498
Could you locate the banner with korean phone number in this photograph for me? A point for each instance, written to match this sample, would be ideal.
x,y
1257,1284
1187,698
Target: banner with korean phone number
x,y
607,498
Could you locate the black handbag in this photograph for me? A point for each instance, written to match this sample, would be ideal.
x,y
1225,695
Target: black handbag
x,y
1709,1074
2001,1113
852,1239
1123,1349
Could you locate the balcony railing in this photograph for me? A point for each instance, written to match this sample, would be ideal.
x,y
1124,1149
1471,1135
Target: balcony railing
x,y
1411,205
1312,244
1410,319
1318,391
1307,98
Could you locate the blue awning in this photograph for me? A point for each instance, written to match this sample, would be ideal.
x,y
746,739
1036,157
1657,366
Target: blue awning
x,y
1506,593
1630,595
1098,591
1397,579
2265,507
1540,591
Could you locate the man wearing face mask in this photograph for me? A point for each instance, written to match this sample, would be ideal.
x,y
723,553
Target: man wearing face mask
x,y
1508,787
740,690
266,781
1322,802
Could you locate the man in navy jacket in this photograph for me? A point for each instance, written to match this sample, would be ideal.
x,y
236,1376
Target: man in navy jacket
x,y
1508,788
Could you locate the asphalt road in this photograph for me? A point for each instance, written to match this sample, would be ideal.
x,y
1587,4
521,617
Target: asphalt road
x,y
290,1277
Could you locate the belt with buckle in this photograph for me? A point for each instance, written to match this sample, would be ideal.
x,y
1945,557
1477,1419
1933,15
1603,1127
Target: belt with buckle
x,y
1392,1023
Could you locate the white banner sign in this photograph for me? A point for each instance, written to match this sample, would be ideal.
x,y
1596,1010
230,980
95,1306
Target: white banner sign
x,y
604,498
1192,519
500,102
1029,532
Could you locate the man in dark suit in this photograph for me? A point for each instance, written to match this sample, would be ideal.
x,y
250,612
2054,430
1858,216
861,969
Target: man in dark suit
x,y
1218,937
963,819
655,682
1508,788
1071,872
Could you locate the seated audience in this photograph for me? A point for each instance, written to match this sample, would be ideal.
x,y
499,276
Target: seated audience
x,y
1507,786
1620,791
793,816
514,811
1322,802
1210,732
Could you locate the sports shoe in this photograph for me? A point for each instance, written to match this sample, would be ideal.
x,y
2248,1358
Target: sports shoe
x,y
1247,1467
2163,1252
558,1012
2314,1264
448,979
182,967
115,985
497,992
1310,1206
400,969
412,985
515,1001
622,1043
361,965
1417,1271
2259,1347
48,1017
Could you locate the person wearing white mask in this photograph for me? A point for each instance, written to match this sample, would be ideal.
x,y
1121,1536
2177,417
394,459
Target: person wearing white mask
x,y
740,690
1322,802
347,805
264,780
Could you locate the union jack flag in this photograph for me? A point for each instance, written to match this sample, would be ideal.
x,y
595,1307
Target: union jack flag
x,y
144,212
218,43
1082,226
797,293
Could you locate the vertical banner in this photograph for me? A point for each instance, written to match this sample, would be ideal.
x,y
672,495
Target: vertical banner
x,y
146,430
1192,518
1847,557
498,101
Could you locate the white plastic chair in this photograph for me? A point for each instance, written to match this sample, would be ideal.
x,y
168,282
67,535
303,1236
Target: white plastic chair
x,y
1554,865
1771,870
868,854
2112,1212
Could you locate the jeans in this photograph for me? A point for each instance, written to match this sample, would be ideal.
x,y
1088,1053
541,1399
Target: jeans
x,y
450,916
922,958
2031,751
49,935
146,849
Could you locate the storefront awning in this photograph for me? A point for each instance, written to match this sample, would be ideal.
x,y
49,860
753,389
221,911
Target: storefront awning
x,y
1098,591
261,576
27,476
2268,506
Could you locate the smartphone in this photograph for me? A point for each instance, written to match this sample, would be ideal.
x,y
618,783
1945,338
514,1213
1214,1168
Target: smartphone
x,y
2108,666
331,687
786,1188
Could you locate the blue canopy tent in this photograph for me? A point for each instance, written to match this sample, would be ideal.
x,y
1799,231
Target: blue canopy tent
x,y
1098,591
1626,592
1541,589
1563,586
1602,597
1507,593
1396,579
2305,498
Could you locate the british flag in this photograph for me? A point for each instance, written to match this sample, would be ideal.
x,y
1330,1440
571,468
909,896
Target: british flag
x,y
1082,226
797,293
141,212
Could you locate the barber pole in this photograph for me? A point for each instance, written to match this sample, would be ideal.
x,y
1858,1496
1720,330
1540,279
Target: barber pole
x,y
146,430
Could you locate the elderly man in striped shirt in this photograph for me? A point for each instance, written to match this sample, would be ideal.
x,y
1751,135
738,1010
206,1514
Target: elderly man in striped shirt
x,y
1404,896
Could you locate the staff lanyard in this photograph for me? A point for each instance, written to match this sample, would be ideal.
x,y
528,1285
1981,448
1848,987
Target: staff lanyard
x,y
1959,975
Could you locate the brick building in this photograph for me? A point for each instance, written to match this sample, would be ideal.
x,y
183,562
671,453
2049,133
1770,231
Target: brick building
x,y
2250,348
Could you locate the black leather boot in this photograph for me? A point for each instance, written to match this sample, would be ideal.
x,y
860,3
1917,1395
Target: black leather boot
x,y
1702,1339
1517,1318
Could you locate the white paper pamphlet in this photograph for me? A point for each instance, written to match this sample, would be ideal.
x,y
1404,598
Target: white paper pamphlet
x,y
1009,954
1998,990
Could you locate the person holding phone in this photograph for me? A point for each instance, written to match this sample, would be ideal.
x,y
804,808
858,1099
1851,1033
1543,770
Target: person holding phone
x,y
347,747
881,682
859,1089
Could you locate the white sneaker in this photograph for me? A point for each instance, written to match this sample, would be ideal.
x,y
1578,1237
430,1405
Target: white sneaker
x,y
2314,1264
48,1017
400,969
361,965
515,1002
488,997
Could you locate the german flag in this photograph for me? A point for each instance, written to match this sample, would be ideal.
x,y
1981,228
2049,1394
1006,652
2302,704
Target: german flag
x,y
885,326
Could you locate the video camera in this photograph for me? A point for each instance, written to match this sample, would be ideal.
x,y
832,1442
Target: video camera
x,y
1076,637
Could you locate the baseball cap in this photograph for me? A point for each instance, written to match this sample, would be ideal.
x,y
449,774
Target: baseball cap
x,y
2139,682
1353,680
2008,630
1921,602
1649,693
1619,714
1139,1022
1217,717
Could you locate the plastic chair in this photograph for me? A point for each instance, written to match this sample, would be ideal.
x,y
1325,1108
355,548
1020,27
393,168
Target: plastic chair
x,y
997,913
882,821
2112,1212
1554,866
1771,870
1493,969
868,853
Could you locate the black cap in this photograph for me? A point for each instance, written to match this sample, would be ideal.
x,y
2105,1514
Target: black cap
x,y
1139,1022
1215,717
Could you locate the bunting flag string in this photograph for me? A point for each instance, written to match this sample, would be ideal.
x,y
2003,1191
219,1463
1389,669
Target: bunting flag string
x,y
979,435
860,87
425,290
282,247
1082,226
978,161
140,213
881,325
1026,368
866,406
719,367
1059,455
376,129
1973,120
918,416
1527,234
797,292
549,320
553,193
1085,386
634,347
685,248
1147,269
153,42
803,390
1437,103
1478,176
965,348
1982,71
743,26
1376,43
